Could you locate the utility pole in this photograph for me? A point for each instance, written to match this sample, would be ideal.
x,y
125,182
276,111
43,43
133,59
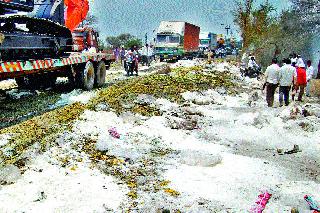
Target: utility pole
x,y
146,38
227,28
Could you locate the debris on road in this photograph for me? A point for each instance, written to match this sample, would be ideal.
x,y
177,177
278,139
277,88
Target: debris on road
x,y
313,204
184,136
261,203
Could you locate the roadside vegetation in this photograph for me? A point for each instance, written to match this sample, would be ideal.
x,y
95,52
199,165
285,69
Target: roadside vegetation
x,y
269,34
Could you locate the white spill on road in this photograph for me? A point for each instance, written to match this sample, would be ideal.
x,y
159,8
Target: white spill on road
x,y
221,164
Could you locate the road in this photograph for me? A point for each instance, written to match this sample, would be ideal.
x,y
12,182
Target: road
x,y
201,149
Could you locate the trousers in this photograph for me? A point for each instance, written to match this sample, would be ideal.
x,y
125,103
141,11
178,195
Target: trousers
x,y
271,89
284,94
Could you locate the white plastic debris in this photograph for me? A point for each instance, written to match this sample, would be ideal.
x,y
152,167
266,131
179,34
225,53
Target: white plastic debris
x,y
9,174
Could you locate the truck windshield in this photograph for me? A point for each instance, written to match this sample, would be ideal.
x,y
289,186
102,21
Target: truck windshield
x,y
204,41
161,38
174,39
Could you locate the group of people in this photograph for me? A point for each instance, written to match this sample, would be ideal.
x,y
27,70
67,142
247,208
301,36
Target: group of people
x,y
131,58
292,76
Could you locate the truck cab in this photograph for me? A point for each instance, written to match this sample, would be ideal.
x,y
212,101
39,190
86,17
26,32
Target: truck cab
x,y
84,38
176,39
169,46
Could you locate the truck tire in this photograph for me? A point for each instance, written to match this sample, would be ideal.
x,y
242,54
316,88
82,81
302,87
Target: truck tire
x,y
86,80
34,82
100,73
48,80
30,82
22,82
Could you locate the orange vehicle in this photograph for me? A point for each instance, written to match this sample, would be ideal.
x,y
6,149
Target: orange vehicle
x,y
84,38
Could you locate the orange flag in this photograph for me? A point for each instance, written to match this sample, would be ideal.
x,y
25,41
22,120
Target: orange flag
x,y
75,13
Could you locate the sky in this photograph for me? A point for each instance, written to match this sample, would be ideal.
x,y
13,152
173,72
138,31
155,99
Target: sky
x,y
139,17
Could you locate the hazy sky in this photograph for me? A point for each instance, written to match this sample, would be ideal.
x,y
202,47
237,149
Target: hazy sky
x,y
143,16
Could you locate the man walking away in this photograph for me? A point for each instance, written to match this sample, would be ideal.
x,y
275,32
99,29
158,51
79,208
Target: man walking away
x,y
310,73
301,78
287,75
272,75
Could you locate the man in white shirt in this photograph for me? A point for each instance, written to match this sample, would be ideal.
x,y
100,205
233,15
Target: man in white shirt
x,y
144,55
252,63
150,54
310,73
272,75
294,59
287,75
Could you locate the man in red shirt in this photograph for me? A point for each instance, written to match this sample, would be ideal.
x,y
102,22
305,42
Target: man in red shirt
x,y
301,81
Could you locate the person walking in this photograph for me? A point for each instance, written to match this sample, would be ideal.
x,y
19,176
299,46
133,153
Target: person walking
x,y
145,55
129,62
301,81
150,55
122,55
310,73
271,79
135,59
116,53
287,74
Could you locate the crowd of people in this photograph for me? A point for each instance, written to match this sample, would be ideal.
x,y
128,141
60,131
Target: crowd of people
x,y
293,76
131,58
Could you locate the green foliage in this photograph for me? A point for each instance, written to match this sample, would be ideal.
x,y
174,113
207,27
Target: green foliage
x,y
41,130
126,40
268,36
133,42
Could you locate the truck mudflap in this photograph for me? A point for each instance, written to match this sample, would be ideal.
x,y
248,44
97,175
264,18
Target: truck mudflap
x,y
38,65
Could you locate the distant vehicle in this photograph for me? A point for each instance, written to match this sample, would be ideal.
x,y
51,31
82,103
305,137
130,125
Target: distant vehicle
x,y
207,41
176,40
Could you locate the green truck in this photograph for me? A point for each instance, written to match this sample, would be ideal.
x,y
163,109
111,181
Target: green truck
x,y
176,40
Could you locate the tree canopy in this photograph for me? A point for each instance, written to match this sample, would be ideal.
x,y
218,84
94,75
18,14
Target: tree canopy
x,y
127,40
268,36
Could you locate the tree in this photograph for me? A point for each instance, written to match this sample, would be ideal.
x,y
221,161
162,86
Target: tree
x,y
114,41
308,12
127,40
133,42
257,26
241,15
268,36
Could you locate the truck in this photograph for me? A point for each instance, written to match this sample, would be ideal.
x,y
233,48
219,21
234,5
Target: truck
x,y
207,41
176,40
36,48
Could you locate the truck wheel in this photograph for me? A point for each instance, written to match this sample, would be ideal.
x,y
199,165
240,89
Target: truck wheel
x,y
100,78
48,80
22,82
87,76
31,82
